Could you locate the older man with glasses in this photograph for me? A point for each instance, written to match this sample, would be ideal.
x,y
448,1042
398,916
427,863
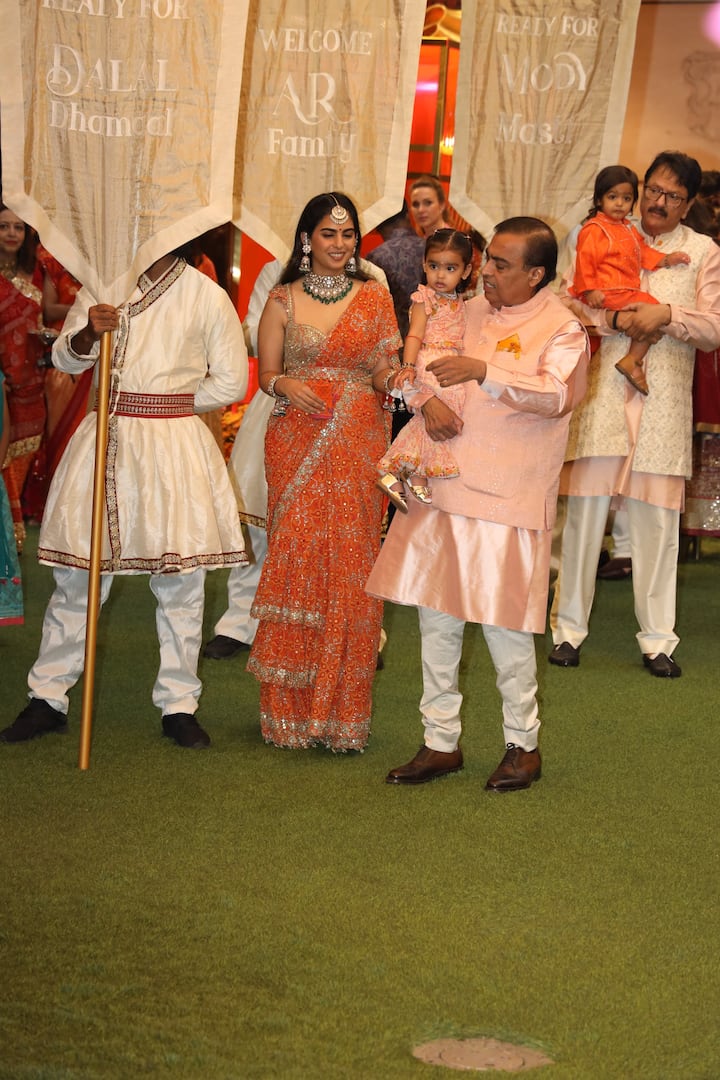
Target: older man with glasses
x,y
624,444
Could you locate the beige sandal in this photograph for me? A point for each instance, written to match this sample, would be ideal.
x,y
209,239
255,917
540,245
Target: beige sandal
x,y
421,492
397,498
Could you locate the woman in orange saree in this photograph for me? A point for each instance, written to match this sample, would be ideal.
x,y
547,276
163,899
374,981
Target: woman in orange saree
x,y
328,345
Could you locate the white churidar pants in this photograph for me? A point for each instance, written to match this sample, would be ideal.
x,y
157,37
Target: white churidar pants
x,y
512,653
620,535
179,614
654,546
237,623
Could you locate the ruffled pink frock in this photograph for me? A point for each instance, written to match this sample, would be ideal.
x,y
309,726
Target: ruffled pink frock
x,y
413,452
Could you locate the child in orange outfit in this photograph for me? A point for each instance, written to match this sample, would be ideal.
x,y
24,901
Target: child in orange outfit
x,y
610,255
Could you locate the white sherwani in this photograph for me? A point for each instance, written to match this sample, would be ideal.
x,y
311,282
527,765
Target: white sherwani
x,y
170,506
664,446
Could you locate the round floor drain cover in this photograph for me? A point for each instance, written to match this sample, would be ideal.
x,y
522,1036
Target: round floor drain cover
x,y
482,1055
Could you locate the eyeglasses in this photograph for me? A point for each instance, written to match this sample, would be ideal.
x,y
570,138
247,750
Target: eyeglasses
x,y
671,197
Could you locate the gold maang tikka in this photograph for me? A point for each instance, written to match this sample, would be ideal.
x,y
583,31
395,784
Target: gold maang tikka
x,y
338,213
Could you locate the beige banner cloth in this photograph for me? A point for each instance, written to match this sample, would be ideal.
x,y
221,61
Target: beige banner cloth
x,y
328,94
542,91
119,120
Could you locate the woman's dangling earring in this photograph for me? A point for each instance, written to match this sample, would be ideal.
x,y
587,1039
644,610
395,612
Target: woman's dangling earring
x,y
306,249
351,267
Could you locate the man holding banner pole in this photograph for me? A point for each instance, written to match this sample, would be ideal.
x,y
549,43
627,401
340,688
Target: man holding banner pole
x,y
171,512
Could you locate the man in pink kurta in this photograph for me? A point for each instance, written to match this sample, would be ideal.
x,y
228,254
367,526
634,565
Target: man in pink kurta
x,y
481,551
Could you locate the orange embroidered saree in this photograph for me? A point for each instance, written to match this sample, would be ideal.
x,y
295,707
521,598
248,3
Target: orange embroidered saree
x,y
316,648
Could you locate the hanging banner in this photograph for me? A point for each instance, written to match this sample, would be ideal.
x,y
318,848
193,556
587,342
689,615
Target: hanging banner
x,y
328,95
119,120
542,91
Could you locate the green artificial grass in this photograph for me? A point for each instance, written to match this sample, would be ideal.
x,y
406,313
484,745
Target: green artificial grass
x,y
250,912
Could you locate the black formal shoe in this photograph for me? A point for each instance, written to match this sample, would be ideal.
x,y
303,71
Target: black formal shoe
x,y
517,770
37,718
565,655
663,666
426,765
615,570
185,730
222,647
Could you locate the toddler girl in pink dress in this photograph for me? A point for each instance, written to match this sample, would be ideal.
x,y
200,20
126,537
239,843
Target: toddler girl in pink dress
x,y
437,327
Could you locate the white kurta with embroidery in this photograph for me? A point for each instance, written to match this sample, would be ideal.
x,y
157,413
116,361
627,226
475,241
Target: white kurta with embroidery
x,y
662,445
170,505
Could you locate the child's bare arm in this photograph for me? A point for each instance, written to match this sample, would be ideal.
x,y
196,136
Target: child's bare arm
x,y
594,298
675,258
415,334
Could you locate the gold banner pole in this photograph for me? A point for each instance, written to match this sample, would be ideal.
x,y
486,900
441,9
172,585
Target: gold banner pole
x,y
96,538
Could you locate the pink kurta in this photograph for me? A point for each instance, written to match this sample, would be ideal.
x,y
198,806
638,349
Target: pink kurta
x,y
482,551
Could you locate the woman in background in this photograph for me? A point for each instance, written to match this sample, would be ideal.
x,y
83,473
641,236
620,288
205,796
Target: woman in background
x,y
428,204
431,211
66,396
20,350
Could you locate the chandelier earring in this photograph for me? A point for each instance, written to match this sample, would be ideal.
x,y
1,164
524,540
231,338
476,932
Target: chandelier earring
x,y
305,267
351,267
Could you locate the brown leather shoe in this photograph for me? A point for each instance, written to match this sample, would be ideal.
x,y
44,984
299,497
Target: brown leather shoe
x,y
426,765
517,770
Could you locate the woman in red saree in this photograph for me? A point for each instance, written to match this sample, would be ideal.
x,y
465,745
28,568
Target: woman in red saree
x,y
66,396
328,345
20,350
11,596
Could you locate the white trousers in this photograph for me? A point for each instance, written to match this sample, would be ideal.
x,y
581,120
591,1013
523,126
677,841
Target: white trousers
x,y
654,545
179,614
242,584
512,653
620,535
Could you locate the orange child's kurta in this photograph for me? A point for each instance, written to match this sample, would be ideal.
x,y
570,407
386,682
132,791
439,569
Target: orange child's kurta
x,y
610,257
